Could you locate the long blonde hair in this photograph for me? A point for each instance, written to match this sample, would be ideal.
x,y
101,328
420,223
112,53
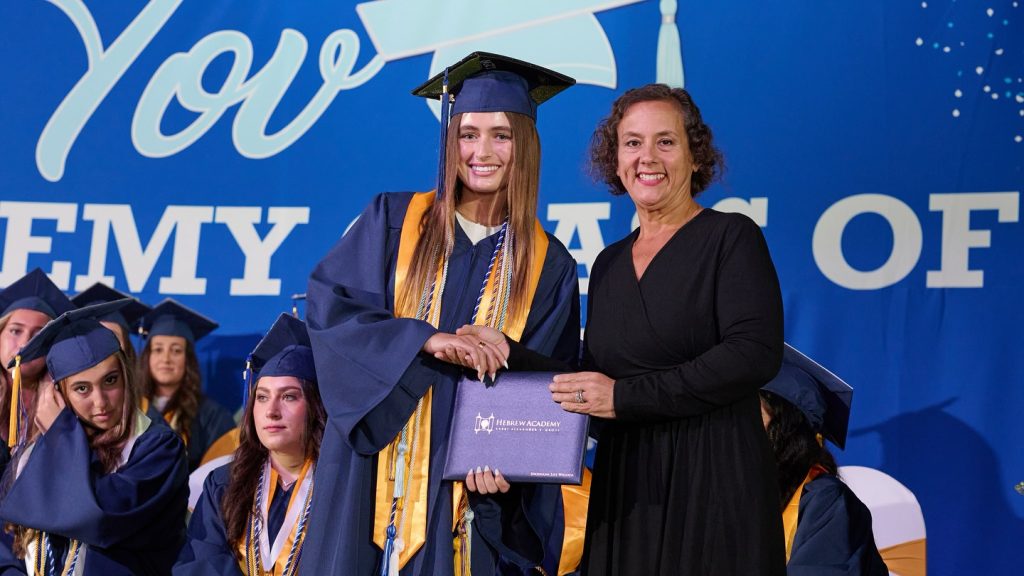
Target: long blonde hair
x,y
521,191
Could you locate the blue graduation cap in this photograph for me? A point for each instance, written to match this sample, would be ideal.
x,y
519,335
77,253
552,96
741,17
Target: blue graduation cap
x,y
126,315
171,318
285,351
34,291
72,342
485,82
822,397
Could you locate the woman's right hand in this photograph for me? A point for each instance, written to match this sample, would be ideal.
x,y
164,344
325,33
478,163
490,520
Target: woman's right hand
x,y
468,351
49,403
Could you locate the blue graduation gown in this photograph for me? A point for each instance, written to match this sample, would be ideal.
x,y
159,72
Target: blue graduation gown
x,y
833,533
372,374
207,551
210,423
133,520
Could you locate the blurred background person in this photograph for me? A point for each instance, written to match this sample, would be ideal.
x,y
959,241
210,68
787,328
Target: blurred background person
x,y
827,528
171,382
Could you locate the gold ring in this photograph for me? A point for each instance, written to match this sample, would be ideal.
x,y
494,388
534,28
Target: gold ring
x,y
579,397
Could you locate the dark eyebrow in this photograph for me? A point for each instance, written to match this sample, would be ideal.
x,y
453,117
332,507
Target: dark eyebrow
x,y
493,128
662,133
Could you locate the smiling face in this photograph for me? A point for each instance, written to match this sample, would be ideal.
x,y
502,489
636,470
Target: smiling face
x,y
279,413
97,394
167,360
22,325
485,152
654,160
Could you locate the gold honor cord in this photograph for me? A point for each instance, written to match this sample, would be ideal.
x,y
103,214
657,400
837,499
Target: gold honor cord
x,y
256,548
410,450
43,553
15,424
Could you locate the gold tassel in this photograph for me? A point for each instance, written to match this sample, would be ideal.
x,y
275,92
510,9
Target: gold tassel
x,y
12,436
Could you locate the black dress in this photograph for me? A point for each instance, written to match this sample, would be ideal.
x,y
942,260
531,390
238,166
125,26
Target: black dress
x,y
684,479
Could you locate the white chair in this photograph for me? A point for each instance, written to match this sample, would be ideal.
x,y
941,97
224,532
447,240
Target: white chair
x,y
896,518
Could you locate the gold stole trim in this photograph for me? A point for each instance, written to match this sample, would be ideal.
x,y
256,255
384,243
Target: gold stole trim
x,y
170,417
413,507
15,422
575,500
791,515
907,558
282,556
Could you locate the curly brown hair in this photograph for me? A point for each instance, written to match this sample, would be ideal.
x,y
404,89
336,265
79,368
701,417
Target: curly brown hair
x,y
604,144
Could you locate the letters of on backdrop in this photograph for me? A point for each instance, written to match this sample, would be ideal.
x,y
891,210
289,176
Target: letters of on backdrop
x,y
212,151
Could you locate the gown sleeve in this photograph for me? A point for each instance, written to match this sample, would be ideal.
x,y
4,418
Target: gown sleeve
x,y
61,490
748,310
207,551
368,395
10,565
833,535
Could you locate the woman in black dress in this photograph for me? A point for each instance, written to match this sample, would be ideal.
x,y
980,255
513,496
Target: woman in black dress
x,y
684,325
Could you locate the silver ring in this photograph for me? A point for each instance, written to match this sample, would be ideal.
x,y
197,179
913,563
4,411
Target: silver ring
x,y
579,397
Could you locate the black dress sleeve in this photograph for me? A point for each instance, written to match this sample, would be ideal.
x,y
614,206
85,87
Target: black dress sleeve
x,y
747,307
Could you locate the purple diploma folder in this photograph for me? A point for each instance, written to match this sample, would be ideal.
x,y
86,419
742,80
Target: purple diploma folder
x,y
514,426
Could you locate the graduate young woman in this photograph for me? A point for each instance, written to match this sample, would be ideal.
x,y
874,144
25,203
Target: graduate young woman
x,y
828,529
171,382
27,305
252,517
390,295
101,489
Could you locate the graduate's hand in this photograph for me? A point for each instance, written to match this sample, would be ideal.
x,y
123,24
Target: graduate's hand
x,y
486,482
487,335
467,351
49,403
594,389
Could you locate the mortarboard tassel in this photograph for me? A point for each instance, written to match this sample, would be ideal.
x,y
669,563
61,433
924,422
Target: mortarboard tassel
x,y
12,437
246,379
670,54
445,114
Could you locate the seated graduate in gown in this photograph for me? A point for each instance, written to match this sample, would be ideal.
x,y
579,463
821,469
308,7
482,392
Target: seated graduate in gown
x,y
253,515
387,299
171,381
828,529
100,489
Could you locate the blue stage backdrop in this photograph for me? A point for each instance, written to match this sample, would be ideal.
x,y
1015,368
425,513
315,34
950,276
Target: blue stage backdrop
x,y
212,151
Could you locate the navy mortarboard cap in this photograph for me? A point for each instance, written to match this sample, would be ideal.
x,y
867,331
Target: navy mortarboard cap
x,y
74,341
285,351
126,316
35,291
171,318
485,82
822,396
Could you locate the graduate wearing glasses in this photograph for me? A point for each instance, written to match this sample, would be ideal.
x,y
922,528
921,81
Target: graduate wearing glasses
x,y
383,308
101,490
